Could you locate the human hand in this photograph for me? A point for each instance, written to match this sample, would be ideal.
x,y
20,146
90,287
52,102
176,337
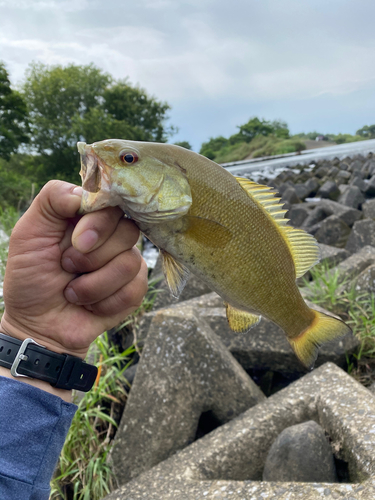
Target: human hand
x,y
68,279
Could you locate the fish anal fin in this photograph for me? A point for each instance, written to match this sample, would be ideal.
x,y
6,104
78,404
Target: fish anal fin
x,y
303,247
176,274
206,232
240,321
323,329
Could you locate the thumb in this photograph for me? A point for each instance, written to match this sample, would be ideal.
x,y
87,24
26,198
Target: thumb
x,y
48,215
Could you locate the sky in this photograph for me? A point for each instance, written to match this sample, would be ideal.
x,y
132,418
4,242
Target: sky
x,y
217,63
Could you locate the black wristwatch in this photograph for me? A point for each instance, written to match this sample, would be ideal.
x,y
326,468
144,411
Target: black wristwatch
x,y
30,359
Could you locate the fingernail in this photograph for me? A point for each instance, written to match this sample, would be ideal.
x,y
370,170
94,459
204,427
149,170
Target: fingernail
x,y
70,295
85,241
68,265
78,191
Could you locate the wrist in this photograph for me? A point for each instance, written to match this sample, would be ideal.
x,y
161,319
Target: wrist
x,y
40,384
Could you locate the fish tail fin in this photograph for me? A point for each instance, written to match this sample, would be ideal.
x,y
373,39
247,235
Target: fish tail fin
x,y
323,329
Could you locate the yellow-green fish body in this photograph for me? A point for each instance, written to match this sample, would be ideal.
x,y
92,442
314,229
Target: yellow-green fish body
x,y
229,232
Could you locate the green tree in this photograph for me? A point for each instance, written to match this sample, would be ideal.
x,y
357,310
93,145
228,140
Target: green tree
x,y
81,103
183,144
13,117
368,132
255,127
213,146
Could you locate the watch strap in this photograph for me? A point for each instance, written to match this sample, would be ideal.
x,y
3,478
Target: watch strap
x,y
30,359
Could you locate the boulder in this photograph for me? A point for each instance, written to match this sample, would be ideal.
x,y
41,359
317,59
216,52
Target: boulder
x,y
365,282
297,214
301,453
333,171
356,263
333,231
346,214
352,197
356,165
316,215
184,371
363,233
321,171
332,255
312,186
301,191
284,186
370,188
360,183
329,190
342,177
290,196
368,209
228,463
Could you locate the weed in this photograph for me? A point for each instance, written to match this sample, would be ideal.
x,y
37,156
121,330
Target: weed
x,y
84,471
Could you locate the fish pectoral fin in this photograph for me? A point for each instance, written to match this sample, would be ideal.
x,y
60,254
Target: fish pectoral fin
x,y
241,321
176,274
207,232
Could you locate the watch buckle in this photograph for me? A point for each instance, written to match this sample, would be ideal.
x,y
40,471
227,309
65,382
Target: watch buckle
x,y
20,356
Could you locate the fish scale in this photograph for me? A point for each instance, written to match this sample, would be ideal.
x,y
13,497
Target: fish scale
x,y
230,232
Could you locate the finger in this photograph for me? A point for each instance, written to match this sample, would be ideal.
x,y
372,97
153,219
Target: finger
x,y
47,218
95,228
124,301
104,282
123,239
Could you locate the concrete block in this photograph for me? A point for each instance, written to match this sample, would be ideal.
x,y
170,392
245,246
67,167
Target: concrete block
x,y
184,371
363,233
228,463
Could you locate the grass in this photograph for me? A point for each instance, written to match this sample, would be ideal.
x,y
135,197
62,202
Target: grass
x,y
84,471
338,295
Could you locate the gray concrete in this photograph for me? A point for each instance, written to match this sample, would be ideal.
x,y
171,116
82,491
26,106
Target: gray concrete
x,y
184,371
228,463
305,158
265,347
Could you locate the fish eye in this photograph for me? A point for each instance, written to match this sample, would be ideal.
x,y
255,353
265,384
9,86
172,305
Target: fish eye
x,y
128,157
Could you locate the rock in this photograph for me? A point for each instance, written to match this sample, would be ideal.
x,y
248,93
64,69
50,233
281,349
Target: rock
x,y
346,214
329,190
355,165
352,197
265,347
370,188
228,463
301,191
325,208
316,215
333,171
333,231
194,288
365,281
342,177
301,453
290,196
368,209
312,186
284,186
184,371
321,172
363,233
371,168
343,165
332,255
297,214
360,183
355,264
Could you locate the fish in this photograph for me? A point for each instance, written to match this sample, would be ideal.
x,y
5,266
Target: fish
x,y
228,231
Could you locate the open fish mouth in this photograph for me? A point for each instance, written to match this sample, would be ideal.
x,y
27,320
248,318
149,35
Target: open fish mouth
x,y
90,168
95,180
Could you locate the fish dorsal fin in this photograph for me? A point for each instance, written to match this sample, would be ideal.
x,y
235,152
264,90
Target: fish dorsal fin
x,y
176,274
240,321
303,247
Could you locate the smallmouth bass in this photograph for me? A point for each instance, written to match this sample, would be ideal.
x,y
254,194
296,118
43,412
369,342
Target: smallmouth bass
x,y
228,231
